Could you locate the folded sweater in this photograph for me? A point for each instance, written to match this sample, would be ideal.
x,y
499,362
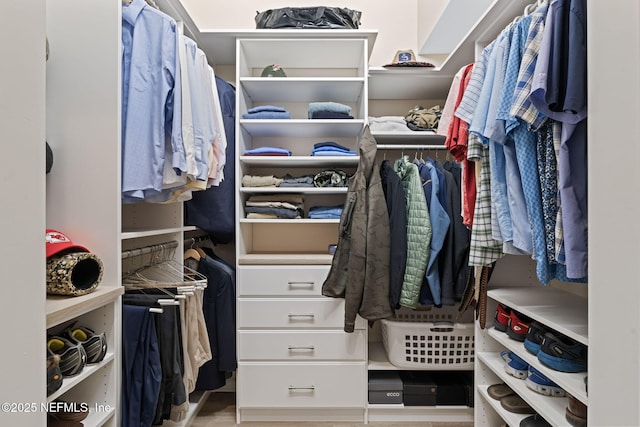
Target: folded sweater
x,y
333,107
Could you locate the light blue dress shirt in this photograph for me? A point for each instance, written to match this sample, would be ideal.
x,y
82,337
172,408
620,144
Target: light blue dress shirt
x,y
151,100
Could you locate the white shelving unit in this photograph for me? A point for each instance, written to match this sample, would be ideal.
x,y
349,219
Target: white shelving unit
x,y
295,363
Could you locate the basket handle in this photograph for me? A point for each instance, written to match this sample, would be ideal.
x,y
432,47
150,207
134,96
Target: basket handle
x,y
442,326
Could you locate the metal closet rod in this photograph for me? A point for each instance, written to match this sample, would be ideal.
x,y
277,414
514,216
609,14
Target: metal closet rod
x,y
410,147
149,249
196,239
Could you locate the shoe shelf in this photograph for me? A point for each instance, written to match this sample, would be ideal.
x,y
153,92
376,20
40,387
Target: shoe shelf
x,y
70,382
550,408
572,383
59,309
98,417
554,308
511,418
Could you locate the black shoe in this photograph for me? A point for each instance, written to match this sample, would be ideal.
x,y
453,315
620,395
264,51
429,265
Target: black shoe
x,y
562,353
534,337
72,356
54,374
95,345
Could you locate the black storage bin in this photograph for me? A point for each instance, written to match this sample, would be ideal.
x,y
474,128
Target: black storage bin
x,y
385,387
454,388
420,388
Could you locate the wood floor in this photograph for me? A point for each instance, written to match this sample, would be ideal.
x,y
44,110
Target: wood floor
x,y
220,411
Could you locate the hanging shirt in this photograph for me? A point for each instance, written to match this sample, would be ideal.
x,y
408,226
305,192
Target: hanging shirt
x,y
151,99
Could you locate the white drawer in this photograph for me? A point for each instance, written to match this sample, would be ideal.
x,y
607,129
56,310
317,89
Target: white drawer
x,y
301,385
301,345
289,280
292,313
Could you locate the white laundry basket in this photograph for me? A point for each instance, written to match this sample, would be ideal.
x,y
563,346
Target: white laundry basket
x,y
428,340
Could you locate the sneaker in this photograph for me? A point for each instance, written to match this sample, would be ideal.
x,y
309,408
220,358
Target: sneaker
x,y
534,336
54,374
72,356
538,382
501,318
95,345
562,353
514,365
518,326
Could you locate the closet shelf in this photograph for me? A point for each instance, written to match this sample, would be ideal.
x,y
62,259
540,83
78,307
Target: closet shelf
x,y
303,128
572,383
197,399
148,232
557,309
399,413
297,89
300,161
408,83
551,408
420,137
59,309
285,259
289,221
378,360
70,382
98,418
296,190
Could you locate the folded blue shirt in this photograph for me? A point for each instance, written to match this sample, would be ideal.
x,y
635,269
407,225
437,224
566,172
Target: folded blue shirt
x,y
331,151
267,150
333,107
266,108
267,115
329,144
326,212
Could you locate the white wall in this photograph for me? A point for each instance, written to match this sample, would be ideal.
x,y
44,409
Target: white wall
x,y
22,185
385,16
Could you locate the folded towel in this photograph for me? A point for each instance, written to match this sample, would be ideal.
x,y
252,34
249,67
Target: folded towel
x,y
267,115
329,115
267,150
274,108
334,107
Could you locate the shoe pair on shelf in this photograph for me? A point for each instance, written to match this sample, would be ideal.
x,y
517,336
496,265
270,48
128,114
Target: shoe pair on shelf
x,y
553,349
534,379
510,321
509,400
70,351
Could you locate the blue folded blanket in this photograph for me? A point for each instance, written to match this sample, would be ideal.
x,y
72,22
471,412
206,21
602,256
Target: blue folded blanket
x,y
333,107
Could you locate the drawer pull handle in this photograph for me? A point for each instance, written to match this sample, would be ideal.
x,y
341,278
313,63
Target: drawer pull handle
x,y
301,284
307,348
292,315
307,388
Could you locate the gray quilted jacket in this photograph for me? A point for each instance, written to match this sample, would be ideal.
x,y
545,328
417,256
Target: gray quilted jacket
x,y
418,232
360,267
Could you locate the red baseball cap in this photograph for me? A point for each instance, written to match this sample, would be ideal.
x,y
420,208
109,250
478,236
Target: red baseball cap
x,y
58,242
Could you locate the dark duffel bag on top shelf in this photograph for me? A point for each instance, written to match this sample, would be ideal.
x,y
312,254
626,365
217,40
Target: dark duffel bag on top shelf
x,y
309,17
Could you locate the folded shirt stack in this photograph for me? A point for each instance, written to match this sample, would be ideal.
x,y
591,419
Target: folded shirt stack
x,y
261,181
297,181
267,112
328,110
330,148
274,206
387,124
267,151
326,212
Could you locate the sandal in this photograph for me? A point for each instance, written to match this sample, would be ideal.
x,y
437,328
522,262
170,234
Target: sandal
x,y
516,405
498,391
